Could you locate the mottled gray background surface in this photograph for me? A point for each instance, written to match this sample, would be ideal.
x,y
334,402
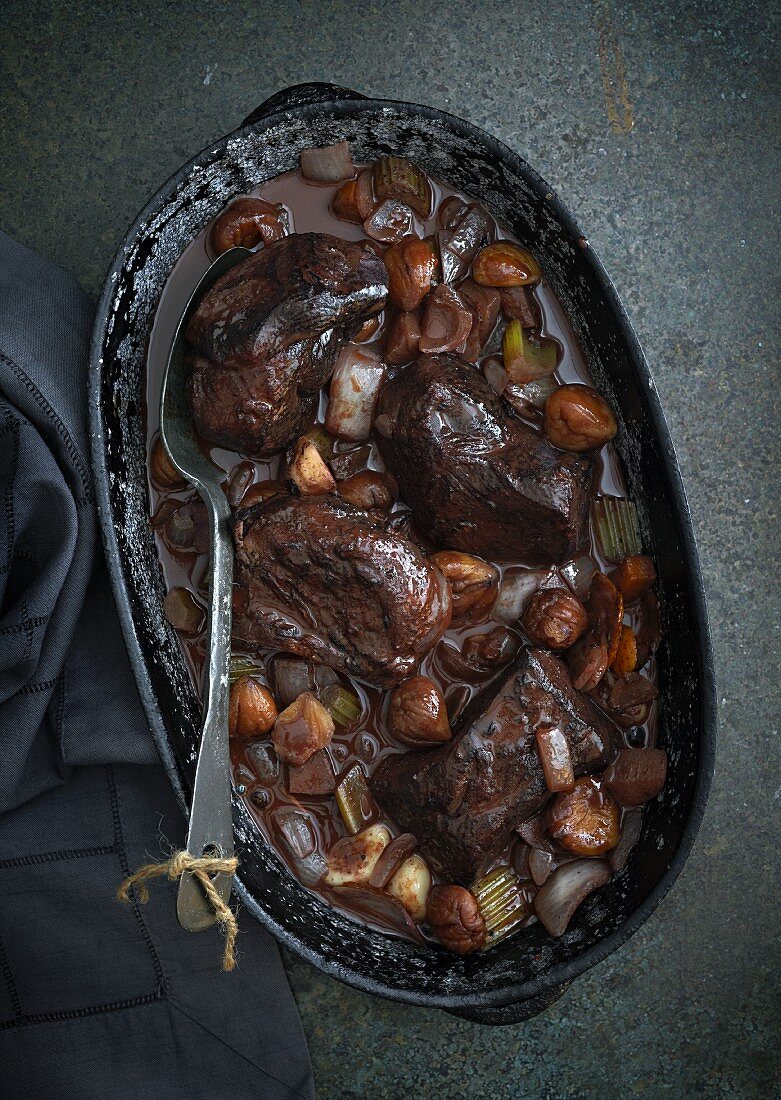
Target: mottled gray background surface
x,y
658,124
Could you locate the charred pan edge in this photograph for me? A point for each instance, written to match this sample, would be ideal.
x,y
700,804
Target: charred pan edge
x,y
457,985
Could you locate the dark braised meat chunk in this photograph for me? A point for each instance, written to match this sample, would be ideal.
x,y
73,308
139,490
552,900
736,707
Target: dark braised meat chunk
x,y
259,410
475,478
464,801
267,334
320,578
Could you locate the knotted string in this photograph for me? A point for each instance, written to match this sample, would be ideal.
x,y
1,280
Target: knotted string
x,y
203,868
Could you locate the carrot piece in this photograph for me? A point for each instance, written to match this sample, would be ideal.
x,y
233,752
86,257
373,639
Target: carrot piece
x,y
625,659
634,577
605,606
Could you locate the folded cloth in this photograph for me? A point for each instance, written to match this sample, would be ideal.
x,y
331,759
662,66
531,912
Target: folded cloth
x,y
96,999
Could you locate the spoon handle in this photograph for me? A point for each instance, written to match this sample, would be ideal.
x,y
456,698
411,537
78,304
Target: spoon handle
x,y
211,826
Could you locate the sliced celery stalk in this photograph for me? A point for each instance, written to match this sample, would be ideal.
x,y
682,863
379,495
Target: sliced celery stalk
x,y
398,178
503,903
524,361
354,800
344,706
542,356
615,520
512,346
243,666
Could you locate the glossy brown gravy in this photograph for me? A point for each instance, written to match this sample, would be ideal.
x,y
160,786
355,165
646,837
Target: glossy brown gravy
x,y
368,741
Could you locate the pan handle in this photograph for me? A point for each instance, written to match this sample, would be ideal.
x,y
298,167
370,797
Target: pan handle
x,y
300,95
515,1013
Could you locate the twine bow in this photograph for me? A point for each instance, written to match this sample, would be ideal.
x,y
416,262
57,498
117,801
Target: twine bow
x,y
202,868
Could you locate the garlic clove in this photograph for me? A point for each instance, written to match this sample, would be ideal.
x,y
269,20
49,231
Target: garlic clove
x,y
353,858
411,885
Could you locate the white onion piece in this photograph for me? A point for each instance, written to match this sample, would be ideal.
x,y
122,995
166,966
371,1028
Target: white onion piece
x,y
631,827
540,865
383,425
514,591
355,387
495,375
578,574
533,833
299,834
532,394
558,899
327,163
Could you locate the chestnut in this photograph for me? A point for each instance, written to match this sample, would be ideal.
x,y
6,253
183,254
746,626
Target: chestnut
x,y
490,650
402,338
353,201
474,583
251,709
577,418
163,472
505,264
369,489
412,266
455,919
302,728
554,618
417,713
183,612
248,222
585,820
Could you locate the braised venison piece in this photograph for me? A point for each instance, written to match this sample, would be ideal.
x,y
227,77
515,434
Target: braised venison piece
x,y
475,478
464,801
320,578
265,337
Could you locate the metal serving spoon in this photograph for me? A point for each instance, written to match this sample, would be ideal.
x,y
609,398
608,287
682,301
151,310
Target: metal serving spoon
x,y
211,826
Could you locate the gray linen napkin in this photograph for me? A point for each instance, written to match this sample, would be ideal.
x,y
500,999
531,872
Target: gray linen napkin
x,y
96,999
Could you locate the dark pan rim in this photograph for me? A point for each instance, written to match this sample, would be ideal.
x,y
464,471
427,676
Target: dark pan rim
x,y
559,974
